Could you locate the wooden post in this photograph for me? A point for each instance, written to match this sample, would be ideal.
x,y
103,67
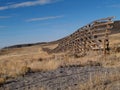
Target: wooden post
x,y
106,42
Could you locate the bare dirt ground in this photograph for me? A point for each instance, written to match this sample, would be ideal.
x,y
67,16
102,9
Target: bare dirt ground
x,y
67,78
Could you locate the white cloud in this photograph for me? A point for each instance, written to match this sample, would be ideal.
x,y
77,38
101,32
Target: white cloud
x,y
44,18
28,3
4,17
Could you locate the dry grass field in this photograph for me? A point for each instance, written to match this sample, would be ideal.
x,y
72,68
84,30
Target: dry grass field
x,y
102,82
19,61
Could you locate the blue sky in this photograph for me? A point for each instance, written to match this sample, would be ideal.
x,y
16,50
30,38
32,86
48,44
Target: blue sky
x,y
30,21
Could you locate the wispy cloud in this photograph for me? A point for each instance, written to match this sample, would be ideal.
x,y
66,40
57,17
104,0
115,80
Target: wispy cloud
x,y
44,18
4,17
28,3
3,26
114,6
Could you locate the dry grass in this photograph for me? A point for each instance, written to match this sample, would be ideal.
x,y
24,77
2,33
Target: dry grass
x,y
114,39
20,61
51,46
101,82
44,65
2,80
112,60
22,57
12,66
90,59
